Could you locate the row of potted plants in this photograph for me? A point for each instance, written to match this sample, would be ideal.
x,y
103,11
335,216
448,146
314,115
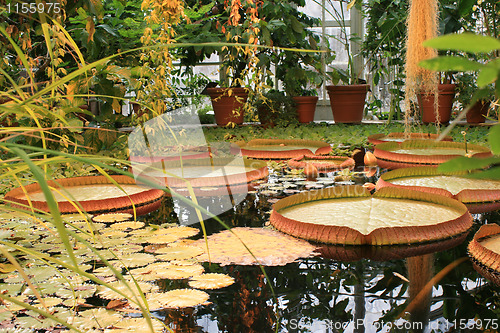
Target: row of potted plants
x,y
348,102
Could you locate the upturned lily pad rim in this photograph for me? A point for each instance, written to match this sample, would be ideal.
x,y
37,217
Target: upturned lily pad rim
x,y
476,200
260,171
485,261
143,202
387,158
349,253
302,161
377,139
323,148
381,236
190,153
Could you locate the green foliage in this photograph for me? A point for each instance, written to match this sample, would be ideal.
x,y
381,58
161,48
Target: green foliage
x,y
118,27
275,108
468,43
488,73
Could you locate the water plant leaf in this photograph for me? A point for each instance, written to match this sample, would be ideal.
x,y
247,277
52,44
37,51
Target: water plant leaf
x,y
178,252
6,268
112,217
163,239
133,260
175,272
138,325
129,289
96,318
478,194
50,301
110,233
351,215
128,225
269,247
211,281
181,298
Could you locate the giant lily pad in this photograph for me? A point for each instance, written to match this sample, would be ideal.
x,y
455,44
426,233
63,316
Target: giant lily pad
x,y
206,177
479,195
267,247
376,139
282,149
348,253
484,250
94,194
172,153
411,153
351,215
322,163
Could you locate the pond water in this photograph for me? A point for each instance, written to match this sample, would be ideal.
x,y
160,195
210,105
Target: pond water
x,y
345,289
342,289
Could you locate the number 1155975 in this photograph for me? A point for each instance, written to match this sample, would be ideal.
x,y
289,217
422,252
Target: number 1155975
x,y
32,8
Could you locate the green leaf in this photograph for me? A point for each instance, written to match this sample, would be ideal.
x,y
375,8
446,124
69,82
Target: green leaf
x,y
492,173
494,139
466,42
296,25
487,75
466,163
451,63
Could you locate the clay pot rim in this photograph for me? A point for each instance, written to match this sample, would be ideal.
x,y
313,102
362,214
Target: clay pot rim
x,y
364,86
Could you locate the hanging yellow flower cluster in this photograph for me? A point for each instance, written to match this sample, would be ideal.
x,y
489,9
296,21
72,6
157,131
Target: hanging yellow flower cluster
x,y
241,29
157,63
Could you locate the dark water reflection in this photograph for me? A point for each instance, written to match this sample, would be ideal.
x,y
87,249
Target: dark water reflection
x,y
338,293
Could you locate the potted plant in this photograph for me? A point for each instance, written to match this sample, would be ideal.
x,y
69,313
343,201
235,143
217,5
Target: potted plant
x,y
205,27
275,108
440,113
466,87
348,90
301,76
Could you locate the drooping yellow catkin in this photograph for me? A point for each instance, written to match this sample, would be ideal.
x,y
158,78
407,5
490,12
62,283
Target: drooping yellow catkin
x,y
421,24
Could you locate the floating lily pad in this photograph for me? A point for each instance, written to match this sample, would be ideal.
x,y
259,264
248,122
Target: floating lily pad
x,y
176,272
93,193
411,153
128,225
346,253
204,173
484,251
211,281
112,217
282,149
133,260
130,290
479,195
96,318
111,233
351,215
322,163
136,325
180,298
270,248
178,252
376,139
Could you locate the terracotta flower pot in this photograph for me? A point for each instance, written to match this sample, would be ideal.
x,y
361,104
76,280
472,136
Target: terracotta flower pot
x,y
446,93
348,102
228,104
477,114
306,106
